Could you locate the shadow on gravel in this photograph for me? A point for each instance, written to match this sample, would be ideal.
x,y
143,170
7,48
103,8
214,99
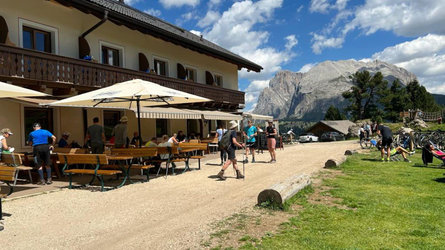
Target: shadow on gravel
x,y
217,178
213,164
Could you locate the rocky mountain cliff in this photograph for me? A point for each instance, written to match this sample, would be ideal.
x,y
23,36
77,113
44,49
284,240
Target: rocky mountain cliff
x,y
307,96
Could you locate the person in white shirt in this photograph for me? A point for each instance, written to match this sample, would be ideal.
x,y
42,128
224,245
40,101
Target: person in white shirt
x,y
223,154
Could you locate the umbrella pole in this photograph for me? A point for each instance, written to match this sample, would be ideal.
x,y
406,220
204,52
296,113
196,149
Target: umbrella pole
x,y
138,104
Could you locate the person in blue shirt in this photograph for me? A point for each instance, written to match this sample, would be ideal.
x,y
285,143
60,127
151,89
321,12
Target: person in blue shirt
x,y
39,139
249,133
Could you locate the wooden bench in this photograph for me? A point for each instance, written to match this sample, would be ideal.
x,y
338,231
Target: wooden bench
x,y
202,147
7,175
173,157
140,154
92,159
15,160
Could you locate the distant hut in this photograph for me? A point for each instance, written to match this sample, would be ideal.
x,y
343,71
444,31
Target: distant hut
x,y
340,126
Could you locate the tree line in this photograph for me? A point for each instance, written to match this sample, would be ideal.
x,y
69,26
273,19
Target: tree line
x,y
372,97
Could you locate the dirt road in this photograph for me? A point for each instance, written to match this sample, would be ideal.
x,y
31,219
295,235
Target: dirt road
x,y
164,213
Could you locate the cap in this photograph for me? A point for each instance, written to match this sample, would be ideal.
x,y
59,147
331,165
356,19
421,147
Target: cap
x,y
6,131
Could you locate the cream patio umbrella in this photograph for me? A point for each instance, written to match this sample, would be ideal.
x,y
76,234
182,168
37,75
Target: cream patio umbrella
x,y
131,94
9,90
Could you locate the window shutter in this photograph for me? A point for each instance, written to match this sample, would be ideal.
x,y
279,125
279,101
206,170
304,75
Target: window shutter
x,y
209,78
3,30
143,63
181,72
84,48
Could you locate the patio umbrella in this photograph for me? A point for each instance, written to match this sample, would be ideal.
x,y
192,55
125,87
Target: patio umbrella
x,y
9,90
131,94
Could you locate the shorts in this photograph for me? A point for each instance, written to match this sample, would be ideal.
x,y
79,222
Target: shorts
x,y
97,148
231,153
271,143
386,142
42,155
250,145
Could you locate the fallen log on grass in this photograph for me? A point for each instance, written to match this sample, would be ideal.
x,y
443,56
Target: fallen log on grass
x,y
350,152
279,193
332,163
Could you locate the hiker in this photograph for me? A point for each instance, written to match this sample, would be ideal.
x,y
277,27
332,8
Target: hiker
x,y
4,134
120,133
398,150
271,132
229,143
250,132
96,137
38,139
63,143
386,134
223,154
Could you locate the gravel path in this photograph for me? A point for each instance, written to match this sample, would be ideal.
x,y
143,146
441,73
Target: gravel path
x,y
164,213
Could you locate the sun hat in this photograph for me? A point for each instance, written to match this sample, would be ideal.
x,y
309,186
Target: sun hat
x,y
124,119
66,133
233,124
6,131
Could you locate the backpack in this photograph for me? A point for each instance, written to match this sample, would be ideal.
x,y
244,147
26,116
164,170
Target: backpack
x,y
225,140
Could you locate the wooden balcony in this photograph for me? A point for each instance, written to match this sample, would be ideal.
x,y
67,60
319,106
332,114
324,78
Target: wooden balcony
x,y
33,68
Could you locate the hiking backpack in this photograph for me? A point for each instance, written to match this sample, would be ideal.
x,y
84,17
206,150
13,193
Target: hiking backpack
x,y
225,140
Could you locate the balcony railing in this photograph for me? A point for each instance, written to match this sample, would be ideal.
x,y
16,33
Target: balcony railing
x,y
44,67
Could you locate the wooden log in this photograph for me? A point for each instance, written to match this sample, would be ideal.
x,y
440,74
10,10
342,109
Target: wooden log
x,y
332,163
350,152
279,193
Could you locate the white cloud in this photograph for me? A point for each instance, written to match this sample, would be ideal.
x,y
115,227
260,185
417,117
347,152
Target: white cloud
x,y
253,91
323,6
307,67
131,2
213,3
300,8
178,3
210,18
424,56
320,42
196,32
291,42
153,12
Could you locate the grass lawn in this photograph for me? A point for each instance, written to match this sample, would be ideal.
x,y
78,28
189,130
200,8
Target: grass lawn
x,y
383,205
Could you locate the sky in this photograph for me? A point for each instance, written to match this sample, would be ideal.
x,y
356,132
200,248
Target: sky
x,y
295,35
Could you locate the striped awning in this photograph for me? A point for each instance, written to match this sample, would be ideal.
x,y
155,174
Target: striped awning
x,y
168,113
218,115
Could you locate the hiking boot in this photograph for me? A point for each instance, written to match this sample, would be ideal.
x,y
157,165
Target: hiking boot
x,y
1,227
221,175
49,181
406,160
245,161
239,175
253,160
41,182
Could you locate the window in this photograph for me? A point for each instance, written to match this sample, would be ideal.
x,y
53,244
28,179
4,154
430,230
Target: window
x,y
40,115
111,118
160,67
218,80
190,74
36,39
110,56
161,127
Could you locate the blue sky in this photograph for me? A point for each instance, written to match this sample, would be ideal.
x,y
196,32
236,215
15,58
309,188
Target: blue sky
x,y
297,34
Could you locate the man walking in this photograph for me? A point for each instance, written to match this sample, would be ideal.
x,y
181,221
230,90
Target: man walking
x,y
250,132
223,154
231,152
41,149
120,133
96,136
386,134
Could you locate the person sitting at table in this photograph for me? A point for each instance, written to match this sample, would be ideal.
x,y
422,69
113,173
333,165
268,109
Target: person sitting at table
x,y
136,139
152,143
63,142
181,136
173,140
4,134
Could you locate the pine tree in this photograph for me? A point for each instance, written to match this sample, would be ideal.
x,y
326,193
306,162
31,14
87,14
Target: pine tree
x,y
333,114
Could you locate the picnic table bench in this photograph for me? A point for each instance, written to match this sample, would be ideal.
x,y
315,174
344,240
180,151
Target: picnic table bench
x,y
202,147
140,154
173,155
15,160
7,175
92,159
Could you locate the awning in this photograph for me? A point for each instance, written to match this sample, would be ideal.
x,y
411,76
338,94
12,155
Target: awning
x,y
168,113
218,115
34,101
9,90
257,117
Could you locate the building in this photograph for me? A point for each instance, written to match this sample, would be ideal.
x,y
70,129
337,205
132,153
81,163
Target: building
x,y
67,47
340,126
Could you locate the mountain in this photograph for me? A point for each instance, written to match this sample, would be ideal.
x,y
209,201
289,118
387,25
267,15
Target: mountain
x,y
440,99
307,96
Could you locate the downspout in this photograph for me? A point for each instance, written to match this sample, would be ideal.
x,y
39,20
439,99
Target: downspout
x,y
97,25
84,47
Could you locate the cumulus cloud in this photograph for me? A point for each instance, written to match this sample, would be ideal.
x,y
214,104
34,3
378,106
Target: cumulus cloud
x,y
178,3
153,12
323,6
424,56
196,32
291,42
253,91
307,67
131,2
320,42
210,18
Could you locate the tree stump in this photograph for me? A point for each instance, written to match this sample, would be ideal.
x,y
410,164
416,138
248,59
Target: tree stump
x,y
332,163
350,152
279,193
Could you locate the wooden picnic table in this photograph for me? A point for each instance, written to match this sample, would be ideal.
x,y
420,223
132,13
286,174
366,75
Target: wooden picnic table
x,y
124,162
